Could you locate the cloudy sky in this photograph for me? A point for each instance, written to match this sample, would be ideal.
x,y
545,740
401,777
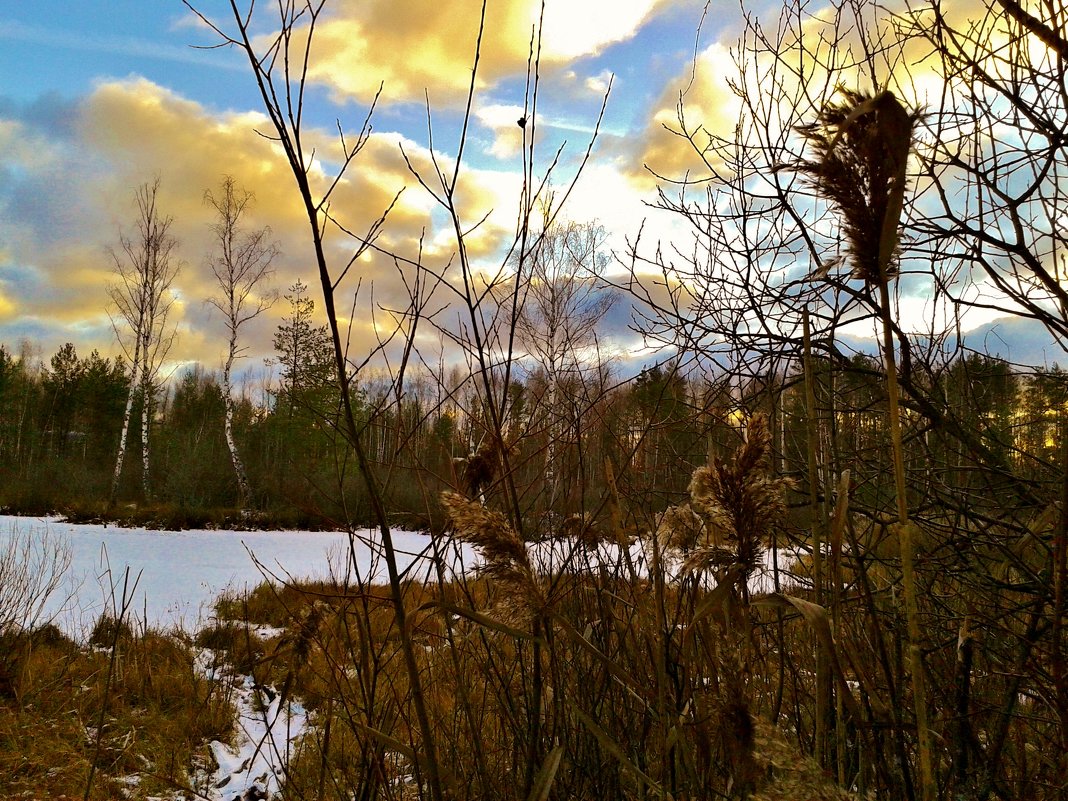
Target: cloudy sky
x,y
97,98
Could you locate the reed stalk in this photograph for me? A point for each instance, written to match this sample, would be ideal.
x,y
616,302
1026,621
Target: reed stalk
x,y
823,686
862,148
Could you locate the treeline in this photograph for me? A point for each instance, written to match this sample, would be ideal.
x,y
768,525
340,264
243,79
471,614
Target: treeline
x,y
565,449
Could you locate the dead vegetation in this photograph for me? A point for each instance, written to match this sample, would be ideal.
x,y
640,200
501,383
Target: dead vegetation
x,y
161,713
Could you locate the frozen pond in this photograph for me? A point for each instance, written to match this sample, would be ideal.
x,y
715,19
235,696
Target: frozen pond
x,y
179,574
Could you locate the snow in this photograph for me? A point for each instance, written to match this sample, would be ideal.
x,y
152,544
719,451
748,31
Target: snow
x,y
179,574
553,555
174,578
268,727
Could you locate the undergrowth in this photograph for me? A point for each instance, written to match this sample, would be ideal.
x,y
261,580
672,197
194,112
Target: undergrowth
x,y
161,713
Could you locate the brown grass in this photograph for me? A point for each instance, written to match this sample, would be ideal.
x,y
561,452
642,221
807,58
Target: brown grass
x,y
160,714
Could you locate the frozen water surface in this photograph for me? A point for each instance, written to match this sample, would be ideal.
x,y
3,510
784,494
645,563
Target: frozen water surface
x,y
179,574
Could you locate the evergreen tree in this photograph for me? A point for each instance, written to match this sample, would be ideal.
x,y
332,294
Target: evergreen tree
x,y
104,385
662,416
17,405
62,385
198,472
306,357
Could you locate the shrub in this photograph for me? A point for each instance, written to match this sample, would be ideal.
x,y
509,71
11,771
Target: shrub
x,y
107,631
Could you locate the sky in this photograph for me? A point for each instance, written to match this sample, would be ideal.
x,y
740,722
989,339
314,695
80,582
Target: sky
x,y
98,98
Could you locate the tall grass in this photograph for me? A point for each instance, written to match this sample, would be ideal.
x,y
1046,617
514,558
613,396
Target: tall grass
x,y
625,672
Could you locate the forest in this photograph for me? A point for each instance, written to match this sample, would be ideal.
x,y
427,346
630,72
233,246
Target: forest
x,y
914,646
61,421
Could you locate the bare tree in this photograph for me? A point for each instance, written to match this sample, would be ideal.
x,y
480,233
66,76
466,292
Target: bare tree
x,y
241,263
145,268
280,66
561,301
32,566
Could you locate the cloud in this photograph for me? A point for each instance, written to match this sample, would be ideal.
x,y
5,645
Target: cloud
x,y
741,81
119,45
413,47
503,121
598,84
56,264
693,109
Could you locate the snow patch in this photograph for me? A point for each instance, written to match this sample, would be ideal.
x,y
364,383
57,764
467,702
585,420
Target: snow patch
x,y
267,730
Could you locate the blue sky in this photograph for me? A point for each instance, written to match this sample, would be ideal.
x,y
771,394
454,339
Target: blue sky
x,y
97,98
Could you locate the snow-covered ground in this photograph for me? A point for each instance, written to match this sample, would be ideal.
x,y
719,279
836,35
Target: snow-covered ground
x,y
553,555
180,573
267,729
174,577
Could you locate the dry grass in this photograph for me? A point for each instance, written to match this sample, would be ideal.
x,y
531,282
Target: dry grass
x,y
362,734
160,713
642,691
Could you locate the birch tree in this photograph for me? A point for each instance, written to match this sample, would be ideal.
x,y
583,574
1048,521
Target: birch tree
x,y
241,264
146,265
561,301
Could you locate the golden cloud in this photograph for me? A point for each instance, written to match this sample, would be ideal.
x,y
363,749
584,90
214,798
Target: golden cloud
x,y
691,111
706,100
412,47
130,131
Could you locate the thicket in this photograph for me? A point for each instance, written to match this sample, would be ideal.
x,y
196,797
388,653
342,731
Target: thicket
x,y
61,422
915,651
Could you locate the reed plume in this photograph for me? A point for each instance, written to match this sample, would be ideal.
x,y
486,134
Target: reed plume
x,y
862,147
734,506
861,150
505,557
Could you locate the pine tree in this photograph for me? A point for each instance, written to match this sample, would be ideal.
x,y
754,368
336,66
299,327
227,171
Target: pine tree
x,y
62,384
306,357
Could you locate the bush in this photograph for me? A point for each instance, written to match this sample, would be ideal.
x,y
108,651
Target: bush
x,y
20,649
242,648
33,563
107,631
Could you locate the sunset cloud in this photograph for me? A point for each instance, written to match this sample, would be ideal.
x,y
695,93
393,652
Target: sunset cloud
x,y
73,153
698,104
413,48
705,99
130,131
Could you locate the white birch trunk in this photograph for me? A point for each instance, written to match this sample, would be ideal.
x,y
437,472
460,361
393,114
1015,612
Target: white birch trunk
x,y
146,402
551,449
239,467
127,414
